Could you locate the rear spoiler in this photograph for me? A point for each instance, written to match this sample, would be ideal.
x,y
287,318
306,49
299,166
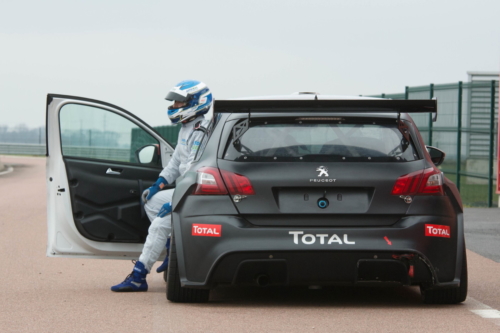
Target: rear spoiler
x,y
332,105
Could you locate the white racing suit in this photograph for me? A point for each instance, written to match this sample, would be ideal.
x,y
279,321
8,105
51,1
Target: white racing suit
x,y
188,143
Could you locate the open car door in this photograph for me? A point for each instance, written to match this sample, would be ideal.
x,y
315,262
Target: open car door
x,y
99,160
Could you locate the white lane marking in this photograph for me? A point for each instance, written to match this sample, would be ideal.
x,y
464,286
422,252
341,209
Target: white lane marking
x,y
9,170
488,313
483,310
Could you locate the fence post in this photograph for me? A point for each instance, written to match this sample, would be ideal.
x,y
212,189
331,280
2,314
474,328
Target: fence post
x,y
431,96
407,92
459,135
492,128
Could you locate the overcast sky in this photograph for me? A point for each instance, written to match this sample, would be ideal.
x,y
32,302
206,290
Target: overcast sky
x,y
130,53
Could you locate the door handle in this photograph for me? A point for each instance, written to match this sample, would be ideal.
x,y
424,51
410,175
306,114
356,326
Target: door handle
x,y
111,171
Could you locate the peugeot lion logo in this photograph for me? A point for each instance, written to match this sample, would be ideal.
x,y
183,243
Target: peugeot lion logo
x,y
323,171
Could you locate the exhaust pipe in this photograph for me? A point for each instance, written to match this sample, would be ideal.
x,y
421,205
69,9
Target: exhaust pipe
x,y
262,280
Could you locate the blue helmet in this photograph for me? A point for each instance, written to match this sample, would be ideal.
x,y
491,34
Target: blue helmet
x,y
198,100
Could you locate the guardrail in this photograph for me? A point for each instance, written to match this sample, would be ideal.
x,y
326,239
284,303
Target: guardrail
x,y
99,153
22,149
114,154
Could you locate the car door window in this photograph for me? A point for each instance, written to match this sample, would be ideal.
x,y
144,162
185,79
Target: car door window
x,y
95,133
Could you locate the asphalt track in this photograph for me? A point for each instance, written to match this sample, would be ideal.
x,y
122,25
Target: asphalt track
x,y
40,294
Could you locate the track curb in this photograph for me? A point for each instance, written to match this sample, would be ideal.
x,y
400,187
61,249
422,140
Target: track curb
x,y
7,169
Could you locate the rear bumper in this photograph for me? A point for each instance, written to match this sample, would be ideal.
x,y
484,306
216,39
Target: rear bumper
x,y
243,253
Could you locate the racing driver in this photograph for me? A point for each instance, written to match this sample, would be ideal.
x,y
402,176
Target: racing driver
x,y
192,99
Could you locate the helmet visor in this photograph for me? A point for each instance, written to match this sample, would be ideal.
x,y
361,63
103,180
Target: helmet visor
x,y
173,96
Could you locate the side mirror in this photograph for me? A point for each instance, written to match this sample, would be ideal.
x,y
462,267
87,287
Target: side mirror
x,y
149,154
437,155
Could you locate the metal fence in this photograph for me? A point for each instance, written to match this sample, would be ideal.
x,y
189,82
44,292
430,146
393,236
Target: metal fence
x,y
466,129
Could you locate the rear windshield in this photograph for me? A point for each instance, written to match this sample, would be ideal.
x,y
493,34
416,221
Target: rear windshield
x,y
321,140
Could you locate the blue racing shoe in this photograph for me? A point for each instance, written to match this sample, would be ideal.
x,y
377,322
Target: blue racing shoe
x,y
135,281
163,267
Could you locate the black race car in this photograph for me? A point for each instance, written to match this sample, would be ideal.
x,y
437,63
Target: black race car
x,y
317,192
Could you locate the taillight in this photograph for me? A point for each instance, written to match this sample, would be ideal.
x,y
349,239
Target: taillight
x,y
237,184
428,181
210,182
432,182
407,184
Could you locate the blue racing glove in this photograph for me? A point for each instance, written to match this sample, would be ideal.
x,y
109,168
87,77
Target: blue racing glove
x,y
148,193
165,209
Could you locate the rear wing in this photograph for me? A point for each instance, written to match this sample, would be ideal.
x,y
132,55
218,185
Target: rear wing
x,y
333,105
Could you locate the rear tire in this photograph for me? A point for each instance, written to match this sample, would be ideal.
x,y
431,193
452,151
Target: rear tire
x,y
448,295
175,292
